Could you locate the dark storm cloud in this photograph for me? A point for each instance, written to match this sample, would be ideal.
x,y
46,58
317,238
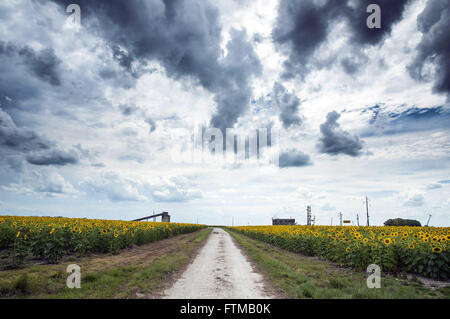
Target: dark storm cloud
x,y
294,158
300,28
434,23
22,142
303,25
44,64
391,13
25,73
232,88
288,105
334,140
20,139
53,157
185,37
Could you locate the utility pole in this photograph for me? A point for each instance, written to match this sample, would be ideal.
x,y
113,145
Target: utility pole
x,y
308,215
357,219
429,217
232,221
340,218
367,210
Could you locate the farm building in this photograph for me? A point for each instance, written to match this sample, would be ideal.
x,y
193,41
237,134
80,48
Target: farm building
x,y
281,221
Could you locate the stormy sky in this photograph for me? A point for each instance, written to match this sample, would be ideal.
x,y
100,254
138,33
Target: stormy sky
x,y
88,112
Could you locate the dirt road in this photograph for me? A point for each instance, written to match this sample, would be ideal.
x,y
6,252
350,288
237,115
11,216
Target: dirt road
x,y
220,271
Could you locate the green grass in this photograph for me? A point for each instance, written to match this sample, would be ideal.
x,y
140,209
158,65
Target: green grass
x,y
104,276
298,276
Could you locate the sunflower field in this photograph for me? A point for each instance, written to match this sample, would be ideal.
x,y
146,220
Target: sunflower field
x,y
50,238
419,250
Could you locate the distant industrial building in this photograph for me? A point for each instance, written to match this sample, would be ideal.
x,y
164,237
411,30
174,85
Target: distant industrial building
x,y
283,221
165,217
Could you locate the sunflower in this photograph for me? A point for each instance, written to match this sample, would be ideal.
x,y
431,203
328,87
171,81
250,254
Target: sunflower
x,y
347,249
365,240
437,250
411,246
387,241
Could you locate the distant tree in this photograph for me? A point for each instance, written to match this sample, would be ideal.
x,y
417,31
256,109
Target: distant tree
x,y
402,222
